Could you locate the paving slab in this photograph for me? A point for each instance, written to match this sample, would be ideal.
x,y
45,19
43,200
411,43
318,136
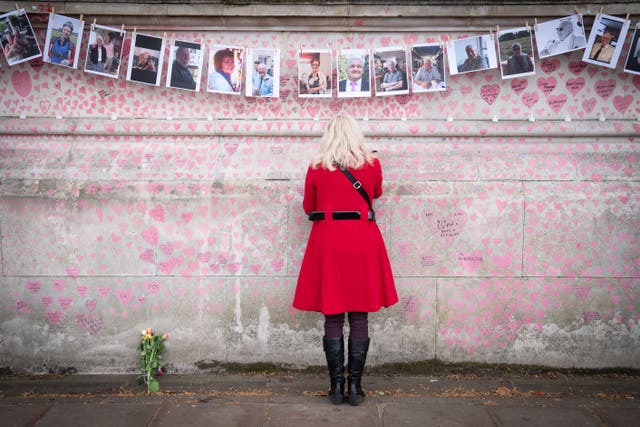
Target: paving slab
x,y
435,412
98,413
212,413
618,417
542,417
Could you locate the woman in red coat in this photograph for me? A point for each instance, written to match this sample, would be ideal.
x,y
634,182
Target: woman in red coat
x,y
345,267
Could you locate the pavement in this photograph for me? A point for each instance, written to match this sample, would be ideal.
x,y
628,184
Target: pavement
x,y
299,399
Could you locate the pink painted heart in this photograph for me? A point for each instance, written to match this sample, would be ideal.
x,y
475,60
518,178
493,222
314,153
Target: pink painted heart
x,y
636,81
65,302
44,106
550,65
575,85
21,83
157,213
124,296
447,227
490,93
470,261
82,290
588,105
59,285
576,67
150,235
605,88
557,102
530,99
54,317
33,287
519,85
546,85
621,103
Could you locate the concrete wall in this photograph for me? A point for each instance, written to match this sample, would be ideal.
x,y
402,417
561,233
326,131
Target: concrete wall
x,y
193,226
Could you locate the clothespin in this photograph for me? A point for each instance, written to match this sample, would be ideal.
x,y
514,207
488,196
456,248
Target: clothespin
x,y
122,29
577,10
81,16
526,24
627,18
498,30
17,7
637,25
53,10
601,10
535,24
135,29
491,32
93,26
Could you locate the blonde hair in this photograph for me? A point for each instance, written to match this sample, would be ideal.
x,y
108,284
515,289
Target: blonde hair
x,y
343,143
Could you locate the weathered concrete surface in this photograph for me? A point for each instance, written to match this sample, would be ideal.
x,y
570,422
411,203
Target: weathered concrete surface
x,y
512,241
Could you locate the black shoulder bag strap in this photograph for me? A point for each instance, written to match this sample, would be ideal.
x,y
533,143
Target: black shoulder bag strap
x,y
358,186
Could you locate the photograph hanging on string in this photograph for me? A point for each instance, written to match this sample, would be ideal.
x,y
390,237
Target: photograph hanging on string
x,y
427,66
354,71
185,65
471,54
606,40
104,54
391,64
263,73
145,59
560,36
63,41
314,74
18,40
515,50
226,65
632,65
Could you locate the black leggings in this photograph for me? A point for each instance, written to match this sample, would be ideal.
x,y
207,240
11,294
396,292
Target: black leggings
x,y
358,325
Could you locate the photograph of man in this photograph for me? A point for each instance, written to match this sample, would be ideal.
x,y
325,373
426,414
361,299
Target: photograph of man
x,y
264,78
515,48
225,70
64,36
186,63
18,40
472,54
606,40
101,41
145,59
427,63
314,74
394,79
633,58
560,36
353,73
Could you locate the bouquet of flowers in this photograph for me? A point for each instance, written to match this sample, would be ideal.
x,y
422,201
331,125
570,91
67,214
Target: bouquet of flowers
x,y
150,359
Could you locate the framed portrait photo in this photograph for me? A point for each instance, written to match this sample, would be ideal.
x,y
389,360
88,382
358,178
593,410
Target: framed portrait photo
x,y
632,65
314,74
185,66
226,67
18,40
606,40
145,59
63,41
104,53
471,54
354,73
427,66
515,49
392,66
560,35
262,77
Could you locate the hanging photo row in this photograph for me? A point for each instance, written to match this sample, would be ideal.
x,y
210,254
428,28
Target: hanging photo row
x,y
391,70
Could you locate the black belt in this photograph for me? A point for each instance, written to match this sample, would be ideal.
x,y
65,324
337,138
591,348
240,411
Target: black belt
x,y
338,215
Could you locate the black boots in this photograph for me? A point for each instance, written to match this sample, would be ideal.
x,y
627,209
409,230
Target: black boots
x,y
334,351
357,358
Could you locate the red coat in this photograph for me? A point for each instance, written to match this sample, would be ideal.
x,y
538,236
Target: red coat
x,y
345,266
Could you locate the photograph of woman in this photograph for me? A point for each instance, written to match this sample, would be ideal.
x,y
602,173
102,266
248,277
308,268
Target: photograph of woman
x,y
225,70
64,36
19,43
104,51
345,269
145,59
314,74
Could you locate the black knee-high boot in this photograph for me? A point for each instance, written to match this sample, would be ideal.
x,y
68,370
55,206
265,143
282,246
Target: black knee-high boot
x,y
357,358
334,351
